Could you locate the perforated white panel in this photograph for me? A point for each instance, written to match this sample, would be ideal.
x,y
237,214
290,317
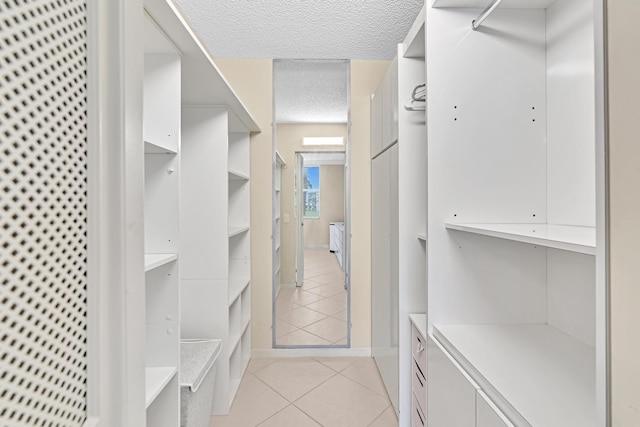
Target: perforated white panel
x,y
43,213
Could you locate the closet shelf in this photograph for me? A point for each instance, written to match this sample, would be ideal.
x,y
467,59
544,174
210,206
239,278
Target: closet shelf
x,y
153,148
564,237
236,287
156,380
237,176
152,261
529,366
234,231
481,4
422,236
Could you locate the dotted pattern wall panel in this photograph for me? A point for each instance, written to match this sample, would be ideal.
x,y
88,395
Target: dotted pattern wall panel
x,y
43,213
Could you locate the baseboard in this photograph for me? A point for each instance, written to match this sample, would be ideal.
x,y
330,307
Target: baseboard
x,y
312,352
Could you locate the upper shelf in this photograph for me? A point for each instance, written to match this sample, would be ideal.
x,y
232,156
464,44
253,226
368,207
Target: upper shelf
x,y
237,176
202,81
152,261
506,4
413,45
280,159
565,237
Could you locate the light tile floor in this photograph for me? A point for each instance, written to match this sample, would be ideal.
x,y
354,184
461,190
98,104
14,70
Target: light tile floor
x,y
301,392
315,313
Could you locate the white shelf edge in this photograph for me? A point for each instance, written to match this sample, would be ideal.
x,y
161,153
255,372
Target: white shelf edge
x,y
234,385
156,379
565,237
217,91
234,341
419,320
526,384
234,231
237,176
413,44
152,261
422,236
280,159
245,327
153,148
238,286
481,4
277,248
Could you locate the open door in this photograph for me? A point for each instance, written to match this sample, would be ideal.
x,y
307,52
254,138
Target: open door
x,y
299,218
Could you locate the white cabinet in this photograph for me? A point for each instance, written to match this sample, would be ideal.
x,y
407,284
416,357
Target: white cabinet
x,y
516,277
487,414
161,139
215,242
384,111
336,241
197,135
277,226
451,392
418,369
398,214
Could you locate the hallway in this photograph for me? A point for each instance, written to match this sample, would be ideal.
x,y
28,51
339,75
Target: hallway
x,y
310,392
315,313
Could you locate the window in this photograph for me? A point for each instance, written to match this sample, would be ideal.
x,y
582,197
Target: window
x,y
311,192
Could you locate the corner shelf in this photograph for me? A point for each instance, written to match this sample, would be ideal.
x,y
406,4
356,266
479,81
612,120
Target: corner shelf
x,y
565,237
152,261
156,380
236,287
502,357
422,236
234,231
237,176
154,148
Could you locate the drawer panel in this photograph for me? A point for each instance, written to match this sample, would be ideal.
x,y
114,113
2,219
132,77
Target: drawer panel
x,y
488,414
452,393
419,349
417,416
419,385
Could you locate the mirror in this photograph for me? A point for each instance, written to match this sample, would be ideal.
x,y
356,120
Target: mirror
x,y
310,197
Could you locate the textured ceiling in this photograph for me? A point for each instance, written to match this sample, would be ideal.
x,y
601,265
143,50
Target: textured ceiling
x,y
311,91
318,29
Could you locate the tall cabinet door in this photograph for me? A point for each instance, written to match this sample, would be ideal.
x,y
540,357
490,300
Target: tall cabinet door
x,y
384,268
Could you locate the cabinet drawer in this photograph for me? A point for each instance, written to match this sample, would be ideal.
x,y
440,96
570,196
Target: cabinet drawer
x,y
488,414
419,385
418,348
452,393
417,415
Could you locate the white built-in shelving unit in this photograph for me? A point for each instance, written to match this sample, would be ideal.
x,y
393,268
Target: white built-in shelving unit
x,y
161,139
197,145
399,209
277,233
516,300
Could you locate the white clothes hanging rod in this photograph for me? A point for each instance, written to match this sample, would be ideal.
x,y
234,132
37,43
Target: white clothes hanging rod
x,y
475,24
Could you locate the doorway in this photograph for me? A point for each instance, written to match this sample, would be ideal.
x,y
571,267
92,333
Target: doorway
x,y
311,204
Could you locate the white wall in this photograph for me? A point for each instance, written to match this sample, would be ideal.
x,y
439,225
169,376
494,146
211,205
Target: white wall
x,y
624,208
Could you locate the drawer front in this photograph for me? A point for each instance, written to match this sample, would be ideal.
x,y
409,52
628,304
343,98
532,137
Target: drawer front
x,y
417,415
488,414
419,385
452,394
419,349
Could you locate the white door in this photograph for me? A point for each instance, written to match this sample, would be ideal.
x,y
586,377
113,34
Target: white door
x,y
299,218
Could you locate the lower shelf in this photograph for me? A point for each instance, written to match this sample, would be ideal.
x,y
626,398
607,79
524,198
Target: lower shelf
x,y
156,379
546,376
